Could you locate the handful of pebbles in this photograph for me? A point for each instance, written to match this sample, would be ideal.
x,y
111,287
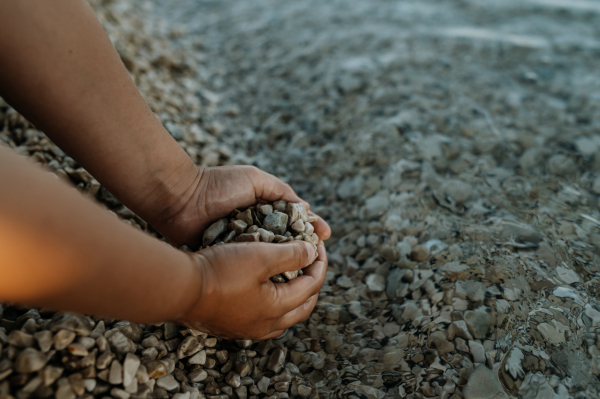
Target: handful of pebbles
x,y
276,222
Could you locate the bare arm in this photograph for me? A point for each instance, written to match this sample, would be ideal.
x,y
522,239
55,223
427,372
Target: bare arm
x,y
60,70
62,251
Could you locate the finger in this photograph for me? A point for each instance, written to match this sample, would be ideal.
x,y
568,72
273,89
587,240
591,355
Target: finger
x,y
318,269
295,292
322,229
270,188
273,335
298,315
286,257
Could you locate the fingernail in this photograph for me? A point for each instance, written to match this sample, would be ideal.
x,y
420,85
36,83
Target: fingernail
x,y
311,252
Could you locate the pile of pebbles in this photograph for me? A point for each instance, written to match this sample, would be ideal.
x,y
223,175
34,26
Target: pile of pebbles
x,y
278,222
68,356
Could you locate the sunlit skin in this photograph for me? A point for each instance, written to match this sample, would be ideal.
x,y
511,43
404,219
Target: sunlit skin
x,y
60,250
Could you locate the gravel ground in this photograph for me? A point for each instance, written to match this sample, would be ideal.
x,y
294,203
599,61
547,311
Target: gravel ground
x,y
452,146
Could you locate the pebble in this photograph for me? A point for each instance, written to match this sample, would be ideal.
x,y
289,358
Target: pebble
x,y
115,375
483,384
130,368
536,386
458,190
298,226
350,189
251,237
241,392
197,375
459,329
120,343
77,349
44,339
265,209
239,226
304,391
104,360
20,339
389,253
90,384
375,282
419,254
77,383
276,222
81,325
263,384
50,374
233,379
554,334
295,212
280,206
198,358
561,165
189,346
214,231
119,393
30,360
376,206
276,360
477,351
168,383
246,217
478,321
63,389
291,274
63,338
265,235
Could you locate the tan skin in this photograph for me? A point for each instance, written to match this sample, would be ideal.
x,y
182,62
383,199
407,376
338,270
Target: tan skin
x,y
59,250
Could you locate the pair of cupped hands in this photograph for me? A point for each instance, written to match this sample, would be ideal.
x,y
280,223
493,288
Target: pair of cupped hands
x,y
238,298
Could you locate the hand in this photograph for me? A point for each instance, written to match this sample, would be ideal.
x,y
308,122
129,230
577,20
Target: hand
x,y
213,193
238,299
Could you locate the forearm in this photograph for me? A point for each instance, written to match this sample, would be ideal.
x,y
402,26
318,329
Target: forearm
x,y
61,251
60,70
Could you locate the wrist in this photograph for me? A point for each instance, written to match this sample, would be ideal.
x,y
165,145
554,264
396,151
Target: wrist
x,y
192,288
172,185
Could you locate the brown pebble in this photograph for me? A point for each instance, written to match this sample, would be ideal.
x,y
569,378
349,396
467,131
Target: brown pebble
x,y
251,237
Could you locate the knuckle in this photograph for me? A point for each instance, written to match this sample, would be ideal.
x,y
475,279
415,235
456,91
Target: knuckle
x,y
250,170
298,252
303,256
253,169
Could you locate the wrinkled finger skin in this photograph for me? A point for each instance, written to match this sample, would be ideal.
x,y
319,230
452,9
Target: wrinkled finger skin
x,y
238,300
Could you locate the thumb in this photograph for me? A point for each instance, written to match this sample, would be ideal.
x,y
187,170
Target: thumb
x,y
270,188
